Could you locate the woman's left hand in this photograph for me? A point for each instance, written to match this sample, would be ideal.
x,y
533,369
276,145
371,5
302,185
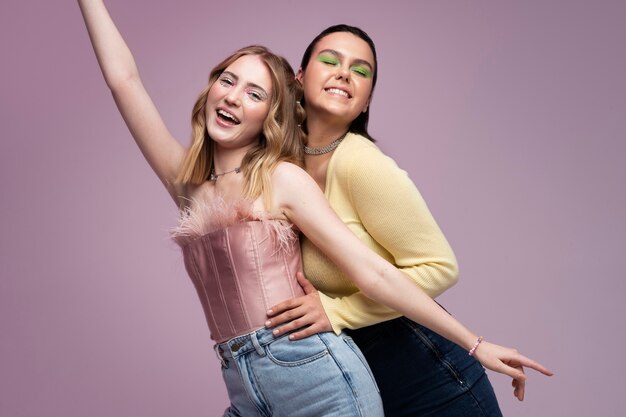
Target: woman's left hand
x,y
305,313
509,362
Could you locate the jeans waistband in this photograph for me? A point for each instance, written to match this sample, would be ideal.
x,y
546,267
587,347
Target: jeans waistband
x,y
241,345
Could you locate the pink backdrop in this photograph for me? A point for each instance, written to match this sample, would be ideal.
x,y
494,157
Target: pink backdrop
x,y
508,115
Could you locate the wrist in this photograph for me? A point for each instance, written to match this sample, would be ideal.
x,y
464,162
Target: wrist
x,y
475,346
467,340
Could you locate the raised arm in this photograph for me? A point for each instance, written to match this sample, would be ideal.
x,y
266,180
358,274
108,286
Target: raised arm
x,y
302,202
161,150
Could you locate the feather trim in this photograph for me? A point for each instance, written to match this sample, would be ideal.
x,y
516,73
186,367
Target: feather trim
x,y
202,217
282,233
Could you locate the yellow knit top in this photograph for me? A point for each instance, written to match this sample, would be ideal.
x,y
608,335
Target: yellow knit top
x,y
382,206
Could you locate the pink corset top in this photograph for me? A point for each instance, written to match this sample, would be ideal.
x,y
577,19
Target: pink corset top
x,y
240,263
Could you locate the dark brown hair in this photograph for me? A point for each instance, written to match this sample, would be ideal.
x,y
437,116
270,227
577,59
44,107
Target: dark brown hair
x,y
358,125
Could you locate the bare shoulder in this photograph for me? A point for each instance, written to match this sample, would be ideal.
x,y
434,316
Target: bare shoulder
x,y
289,175
291,184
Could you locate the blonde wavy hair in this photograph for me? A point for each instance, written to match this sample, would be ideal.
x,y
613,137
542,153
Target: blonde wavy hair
x,y
281,138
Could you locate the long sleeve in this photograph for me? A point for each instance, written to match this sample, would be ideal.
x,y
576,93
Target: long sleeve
x,y
379,202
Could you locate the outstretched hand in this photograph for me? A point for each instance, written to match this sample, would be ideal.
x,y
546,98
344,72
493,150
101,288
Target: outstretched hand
x,y
509,362
304,314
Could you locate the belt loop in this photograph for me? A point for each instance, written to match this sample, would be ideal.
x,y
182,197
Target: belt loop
x,y
218,350
257,345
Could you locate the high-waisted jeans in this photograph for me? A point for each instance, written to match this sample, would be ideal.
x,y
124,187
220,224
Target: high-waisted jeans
x,y
323,375
422,374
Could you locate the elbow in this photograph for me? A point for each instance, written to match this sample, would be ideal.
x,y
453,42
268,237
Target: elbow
x,y
373,289
121,81
379,285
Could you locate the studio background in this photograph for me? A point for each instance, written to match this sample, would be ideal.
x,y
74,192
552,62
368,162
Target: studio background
x,y
509,116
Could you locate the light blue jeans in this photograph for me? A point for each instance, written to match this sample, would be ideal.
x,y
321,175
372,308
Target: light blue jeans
x,y
324,375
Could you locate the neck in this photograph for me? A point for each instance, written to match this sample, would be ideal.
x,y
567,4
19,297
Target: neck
x,y
225,159
321,132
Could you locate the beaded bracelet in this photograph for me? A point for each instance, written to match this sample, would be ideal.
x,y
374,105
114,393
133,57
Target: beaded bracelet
x,y
473,349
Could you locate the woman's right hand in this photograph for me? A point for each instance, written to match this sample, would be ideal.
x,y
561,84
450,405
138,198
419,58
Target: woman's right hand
x,y
509,362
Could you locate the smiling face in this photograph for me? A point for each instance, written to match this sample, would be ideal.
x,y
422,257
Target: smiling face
x,y
337,81
238,103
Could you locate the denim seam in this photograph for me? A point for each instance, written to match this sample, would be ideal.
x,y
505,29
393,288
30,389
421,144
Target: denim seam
x,y
435,351
355,394
259,402
300,361
352,345
476,400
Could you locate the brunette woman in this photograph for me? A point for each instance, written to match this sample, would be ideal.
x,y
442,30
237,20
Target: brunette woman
x,y
419,372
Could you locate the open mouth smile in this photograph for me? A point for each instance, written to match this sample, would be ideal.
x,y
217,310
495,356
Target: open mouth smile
x,y
338,91
227,117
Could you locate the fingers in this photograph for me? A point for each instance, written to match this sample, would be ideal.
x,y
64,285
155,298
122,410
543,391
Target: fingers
x,y
302,325
293,302
298,324
517,358
302,316
287,316
513,358
514,373
499,359
301,321
509,362
306,332
529,363
285,306
305,283
519,386
519,379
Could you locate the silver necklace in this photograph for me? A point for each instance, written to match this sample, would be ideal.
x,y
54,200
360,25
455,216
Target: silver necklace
x,y
324,149
213,176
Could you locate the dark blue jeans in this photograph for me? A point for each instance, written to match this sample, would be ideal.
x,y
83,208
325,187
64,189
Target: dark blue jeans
x,y
420,373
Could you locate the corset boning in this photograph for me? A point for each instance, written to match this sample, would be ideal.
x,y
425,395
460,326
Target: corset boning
x,y
241,270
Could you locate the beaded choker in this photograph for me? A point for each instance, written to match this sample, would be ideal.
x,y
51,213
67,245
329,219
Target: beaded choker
x,y
324,149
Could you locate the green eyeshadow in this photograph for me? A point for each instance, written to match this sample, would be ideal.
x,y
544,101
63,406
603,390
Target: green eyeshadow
x,y
327,59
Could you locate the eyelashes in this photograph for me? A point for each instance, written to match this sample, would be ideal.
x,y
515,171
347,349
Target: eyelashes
x,y
253,93
360,70
328,59
226,81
